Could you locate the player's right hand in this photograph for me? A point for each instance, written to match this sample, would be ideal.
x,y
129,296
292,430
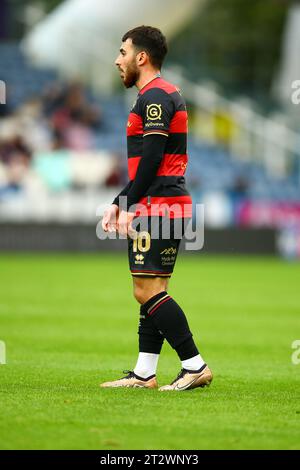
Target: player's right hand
x,y
110,218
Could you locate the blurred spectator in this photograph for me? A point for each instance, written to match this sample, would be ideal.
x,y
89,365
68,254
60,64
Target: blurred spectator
x,y
72,116
49,126
238,195
53,97
239,189
115,178
14,149
15,157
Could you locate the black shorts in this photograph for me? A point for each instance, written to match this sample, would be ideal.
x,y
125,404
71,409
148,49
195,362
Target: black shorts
x,y
155,249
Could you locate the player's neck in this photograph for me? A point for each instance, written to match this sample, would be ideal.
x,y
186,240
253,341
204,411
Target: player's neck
x,y
146,78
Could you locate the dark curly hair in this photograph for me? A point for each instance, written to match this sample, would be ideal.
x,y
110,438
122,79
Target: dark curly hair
x,y
151,40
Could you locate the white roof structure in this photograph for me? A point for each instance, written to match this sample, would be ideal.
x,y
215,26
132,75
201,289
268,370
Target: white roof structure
x,y
290,62
81,38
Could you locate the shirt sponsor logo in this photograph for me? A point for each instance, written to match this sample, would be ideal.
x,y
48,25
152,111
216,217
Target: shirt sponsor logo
x,y
153,112
154,124
169,256
169,251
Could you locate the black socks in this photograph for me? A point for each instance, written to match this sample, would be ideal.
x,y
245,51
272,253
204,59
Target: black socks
x,y
150,339
161,317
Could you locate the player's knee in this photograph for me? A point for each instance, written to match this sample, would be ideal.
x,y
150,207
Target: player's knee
x,y
142,295
145,289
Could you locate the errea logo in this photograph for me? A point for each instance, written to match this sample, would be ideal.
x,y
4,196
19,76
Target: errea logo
x,y
183,165
153,111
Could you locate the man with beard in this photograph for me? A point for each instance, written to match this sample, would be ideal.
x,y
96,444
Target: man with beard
x,y
157,160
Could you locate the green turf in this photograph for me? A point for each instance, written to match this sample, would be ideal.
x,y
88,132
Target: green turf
x,y
70,322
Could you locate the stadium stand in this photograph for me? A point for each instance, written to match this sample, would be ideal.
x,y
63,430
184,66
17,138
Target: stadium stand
x,y
57,142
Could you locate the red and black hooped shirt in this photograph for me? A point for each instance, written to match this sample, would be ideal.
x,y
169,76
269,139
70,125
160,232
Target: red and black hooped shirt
x,y
160,109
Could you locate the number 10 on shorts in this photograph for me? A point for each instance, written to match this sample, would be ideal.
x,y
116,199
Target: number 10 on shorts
x,y
142,242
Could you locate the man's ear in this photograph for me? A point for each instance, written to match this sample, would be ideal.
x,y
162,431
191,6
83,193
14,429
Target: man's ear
x,y
142,57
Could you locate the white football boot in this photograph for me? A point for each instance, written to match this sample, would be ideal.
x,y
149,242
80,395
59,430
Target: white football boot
x,y
187,380
132,380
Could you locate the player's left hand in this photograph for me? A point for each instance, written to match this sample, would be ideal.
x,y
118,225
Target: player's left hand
x,y
124,225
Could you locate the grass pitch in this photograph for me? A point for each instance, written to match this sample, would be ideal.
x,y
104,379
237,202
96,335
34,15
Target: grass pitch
x,y
70,322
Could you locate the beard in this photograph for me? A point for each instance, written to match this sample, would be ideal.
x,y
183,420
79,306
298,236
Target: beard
x,y
132,76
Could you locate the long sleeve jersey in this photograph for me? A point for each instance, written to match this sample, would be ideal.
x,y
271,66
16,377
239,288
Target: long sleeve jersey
x,y
157,153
